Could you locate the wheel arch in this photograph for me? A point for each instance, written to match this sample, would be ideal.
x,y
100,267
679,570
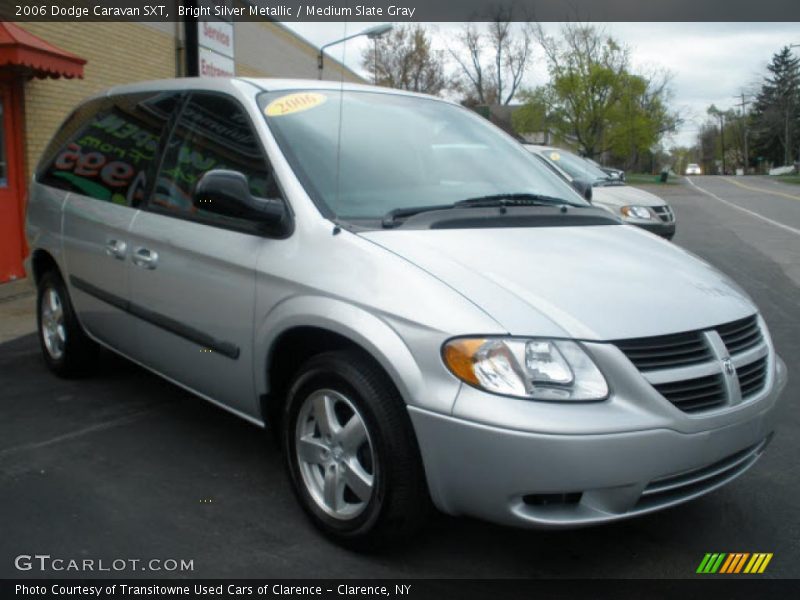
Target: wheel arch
x,y
303,327
42,261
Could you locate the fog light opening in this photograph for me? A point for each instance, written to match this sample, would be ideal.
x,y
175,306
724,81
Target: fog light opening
x,y
567,498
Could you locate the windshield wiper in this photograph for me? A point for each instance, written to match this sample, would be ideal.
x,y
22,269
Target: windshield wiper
x,y
522,199
391,218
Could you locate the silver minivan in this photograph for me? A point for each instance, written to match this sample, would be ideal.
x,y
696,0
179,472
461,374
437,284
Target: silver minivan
x,y
422,311
633,205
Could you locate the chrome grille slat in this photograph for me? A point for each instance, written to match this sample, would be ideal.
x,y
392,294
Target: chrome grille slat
x,y
665,351
753,377
681,359
741,335
737,326
695,394
693,407
688,386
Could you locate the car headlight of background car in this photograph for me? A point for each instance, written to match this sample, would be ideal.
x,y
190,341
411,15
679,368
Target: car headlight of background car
x,y
636,212
539,369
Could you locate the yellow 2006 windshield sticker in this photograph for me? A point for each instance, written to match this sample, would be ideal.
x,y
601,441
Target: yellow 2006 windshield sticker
x,y
293,103
555,156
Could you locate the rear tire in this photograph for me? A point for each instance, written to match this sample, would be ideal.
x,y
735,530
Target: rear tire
x,y
66,349
351,452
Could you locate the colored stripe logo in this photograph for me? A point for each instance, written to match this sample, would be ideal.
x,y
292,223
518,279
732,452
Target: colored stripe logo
x,y
734,563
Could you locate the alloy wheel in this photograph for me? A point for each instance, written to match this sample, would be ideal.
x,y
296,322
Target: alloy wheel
x,y
335,454
54,332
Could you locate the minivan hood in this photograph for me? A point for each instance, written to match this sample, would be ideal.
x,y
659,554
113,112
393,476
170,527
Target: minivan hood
x,y
624,195
591,282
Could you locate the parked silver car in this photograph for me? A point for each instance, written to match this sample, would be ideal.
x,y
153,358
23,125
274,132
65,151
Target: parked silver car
x,y
417,306
632,205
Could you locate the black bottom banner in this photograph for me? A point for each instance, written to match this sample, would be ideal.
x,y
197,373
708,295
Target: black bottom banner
x,y
418,589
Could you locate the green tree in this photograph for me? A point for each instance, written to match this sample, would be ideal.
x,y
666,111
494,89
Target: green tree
x,y
405,60
534,114
776,111
598,102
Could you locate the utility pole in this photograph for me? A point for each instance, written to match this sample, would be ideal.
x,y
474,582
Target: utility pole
x,y
375,40
744,104
722,137
714,111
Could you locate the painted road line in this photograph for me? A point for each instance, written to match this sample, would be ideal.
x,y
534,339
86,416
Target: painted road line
x,y
755,189
745,210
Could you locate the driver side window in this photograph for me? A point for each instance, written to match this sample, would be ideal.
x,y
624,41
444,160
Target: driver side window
x,y
212,132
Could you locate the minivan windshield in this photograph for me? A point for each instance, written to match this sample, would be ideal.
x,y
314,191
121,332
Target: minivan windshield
x,y
362,155
574,165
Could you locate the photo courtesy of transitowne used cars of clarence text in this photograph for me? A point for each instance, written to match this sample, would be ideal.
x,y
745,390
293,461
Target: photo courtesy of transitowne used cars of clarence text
x,y
422,311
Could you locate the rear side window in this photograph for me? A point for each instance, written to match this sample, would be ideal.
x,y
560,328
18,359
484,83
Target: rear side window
x,y
108,148
212,132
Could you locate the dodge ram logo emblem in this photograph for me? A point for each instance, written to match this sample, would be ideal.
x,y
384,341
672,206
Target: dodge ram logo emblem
x,y
727,366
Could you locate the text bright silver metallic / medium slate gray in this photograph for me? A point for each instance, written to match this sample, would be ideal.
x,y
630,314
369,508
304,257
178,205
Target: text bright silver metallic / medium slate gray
x,y
420,308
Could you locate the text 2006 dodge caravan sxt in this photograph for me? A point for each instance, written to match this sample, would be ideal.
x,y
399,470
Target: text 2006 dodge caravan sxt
x,y
420,307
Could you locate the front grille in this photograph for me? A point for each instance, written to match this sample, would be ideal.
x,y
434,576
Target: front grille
x,y
666,352
741,335
694,395
752,377
686,485
664,213
688,368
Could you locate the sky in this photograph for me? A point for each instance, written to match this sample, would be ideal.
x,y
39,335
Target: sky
x,y
710,63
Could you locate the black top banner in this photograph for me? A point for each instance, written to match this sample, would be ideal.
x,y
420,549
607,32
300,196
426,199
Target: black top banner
x,y
402,10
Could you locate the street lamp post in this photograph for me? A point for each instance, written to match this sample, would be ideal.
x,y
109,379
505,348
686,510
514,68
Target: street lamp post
x,y
372,33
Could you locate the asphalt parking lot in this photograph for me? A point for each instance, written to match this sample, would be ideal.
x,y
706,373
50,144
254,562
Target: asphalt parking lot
x,y
125,465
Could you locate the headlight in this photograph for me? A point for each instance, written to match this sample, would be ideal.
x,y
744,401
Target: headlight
x,y
636,212
539,369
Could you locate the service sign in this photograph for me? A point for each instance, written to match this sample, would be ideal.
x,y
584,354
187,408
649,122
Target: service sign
x,y
216,36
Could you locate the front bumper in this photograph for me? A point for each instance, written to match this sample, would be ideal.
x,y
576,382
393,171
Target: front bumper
x,y
548,480
661,228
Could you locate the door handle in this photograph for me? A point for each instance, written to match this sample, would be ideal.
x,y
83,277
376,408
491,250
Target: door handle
x,y
147,259
116,248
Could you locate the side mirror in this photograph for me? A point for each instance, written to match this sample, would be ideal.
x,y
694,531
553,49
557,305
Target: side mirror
x,y
227,193
583,187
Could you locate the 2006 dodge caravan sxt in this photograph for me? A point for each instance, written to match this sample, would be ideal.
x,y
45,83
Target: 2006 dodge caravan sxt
x,y
421,308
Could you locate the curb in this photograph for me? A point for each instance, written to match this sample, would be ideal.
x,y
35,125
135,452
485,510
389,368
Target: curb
x,y
19,288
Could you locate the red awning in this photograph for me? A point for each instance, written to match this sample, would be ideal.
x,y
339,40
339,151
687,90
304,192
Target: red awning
x,y
18,48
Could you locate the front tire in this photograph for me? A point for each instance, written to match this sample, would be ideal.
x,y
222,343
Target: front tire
x,y
66,349
351,452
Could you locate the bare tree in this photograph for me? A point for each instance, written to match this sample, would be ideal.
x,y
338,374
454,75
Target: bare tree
x,y
405,60
492,60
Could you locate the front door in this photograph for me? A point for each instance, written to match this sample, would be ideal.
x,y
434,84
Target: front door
x,y
193,272
12,245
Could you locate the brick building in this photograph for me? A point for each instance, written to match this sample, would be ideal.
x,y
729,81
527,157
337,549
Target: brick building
x,y
47,68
